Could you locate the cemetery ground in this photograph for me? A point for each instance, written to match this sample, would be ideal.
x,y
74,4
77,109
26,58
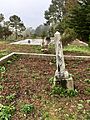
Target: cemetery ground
x,y
27,93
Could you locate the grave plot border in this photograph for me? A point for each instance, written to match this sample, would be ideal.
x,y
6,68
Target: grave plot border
x,y
69,57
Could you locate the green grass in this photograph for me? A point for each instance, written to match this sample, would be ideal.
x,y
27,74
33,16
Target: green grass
x,y
6,49
4,41
74,48
3,53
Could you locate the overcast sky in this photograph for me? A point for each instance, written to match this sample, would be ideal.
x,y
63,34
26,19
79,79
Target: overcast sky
x,y
31,12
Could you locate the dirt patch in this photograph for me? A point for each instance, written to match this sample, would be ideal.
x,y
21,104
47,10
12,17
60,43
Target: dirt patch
x,y
28,79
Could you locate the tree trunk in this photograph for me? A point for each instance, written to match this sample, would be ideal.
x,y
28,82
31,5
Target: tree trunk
x,y
16,32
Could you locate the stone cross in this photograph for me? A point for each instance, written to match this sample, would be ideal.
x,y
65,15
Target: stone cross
x,y
62,76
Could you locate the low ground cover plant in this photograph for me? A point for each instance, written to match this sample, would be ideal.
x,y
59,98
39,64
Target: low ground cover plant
x,y
87,81
6,112
2,69
1,87
27,108
10,97
63,92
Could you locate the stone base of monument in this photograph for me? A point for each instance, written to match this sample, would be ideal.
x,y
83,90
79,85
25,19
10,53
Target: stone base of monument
x,y
70,83
44,49
65,82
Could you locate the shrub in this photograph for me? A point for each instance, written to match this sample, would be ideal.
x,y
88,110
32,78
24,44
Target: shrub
x,y
68,36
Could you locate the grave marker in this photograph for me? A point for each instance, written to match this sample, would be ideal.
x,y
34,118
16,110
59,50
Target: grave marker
x,y
62,77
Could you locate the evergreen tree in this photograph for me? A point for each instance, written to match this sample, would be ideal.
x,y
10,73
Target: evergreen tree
x,y
1,17
80,19
55,13
16,23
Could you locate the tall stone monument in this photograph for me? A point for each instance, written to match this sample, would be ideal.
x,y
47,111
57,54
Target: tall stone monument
x,y
62,77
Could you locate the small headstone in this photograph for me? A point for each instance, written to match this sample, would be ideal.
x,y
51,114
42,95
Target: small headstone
x,y
47,41
45,44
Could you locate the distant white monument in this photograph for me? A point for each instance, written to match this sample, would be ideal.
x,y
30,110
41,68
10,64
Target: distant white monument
x,y
62,76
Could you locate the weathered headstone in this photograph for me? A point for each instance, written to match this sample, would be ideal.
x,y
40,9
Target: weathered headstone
x,y
62,77
46,42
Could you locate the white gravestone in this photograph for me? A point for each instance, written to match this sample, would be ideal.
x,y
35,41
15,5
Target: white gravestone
x,y
61,75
